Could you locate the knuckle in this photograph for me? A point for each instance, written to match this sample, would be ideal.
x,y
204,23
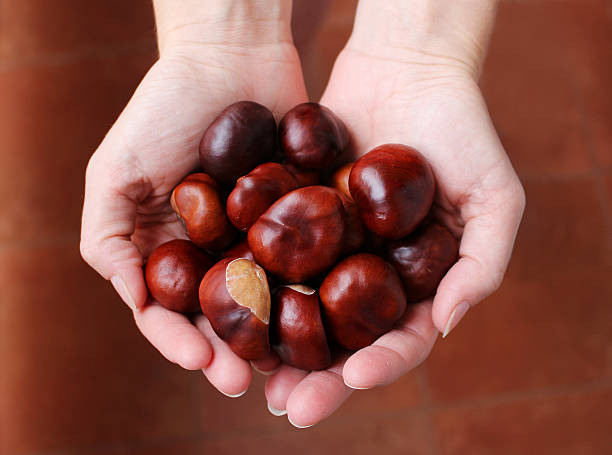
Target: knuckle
x,y
87,252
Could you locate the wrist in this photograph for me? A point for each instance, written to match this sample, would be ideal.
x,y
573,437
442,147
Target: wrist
x,y
189,25
451,33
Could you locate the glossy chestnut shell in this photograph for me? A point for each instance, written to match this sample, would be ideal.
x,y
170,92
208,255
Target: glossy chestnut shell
x,y
239,250
300,235
362,298
256,192
240,138
296,329
198,203
422,259
235,297
355,233
311,136
173,274
393,187
340,179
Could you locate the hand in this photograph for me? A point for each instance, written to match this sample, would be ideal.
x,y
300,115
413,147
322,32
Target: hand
x,y
434,105
153,145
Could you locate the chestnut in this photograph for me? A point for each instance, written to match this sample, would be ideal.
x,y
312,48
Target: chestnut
x,y
239,250
235,297
303,177
296,329
393,187
300,235
340,179
173,274
198,203
355,233
422,259
362,298
240,138
311,136
257,191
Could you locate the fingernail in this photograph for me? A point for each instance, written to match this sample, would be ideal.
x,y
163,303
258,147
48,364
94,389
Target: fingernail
x,y
233,396
296,425
355,387
123,291
276,412
265,373
455,317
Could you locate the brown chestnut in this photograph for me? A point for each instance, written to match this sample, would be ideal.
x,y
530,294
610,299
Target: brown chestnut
x,y
303,177
235,297
197,202
256,192
355,233
311,136
239,250
240,138
340,179
296,329
422,259
301,234
393,187
362,298
173,274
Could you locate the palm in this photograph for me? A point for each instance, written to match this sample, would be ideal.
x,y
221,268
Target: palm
x,y
444,117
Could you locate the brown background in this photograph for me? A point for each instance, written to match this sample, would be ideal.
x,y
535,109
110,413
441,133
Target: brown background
x,y
529,371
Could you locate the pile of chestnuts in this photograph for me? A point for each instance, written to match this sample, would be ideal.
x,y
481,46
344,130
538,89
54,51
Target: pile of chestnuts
x,y
277,260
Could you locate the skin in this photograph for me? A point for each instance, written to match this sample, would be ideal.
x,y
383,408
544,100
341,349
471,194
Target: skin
x,y
423,59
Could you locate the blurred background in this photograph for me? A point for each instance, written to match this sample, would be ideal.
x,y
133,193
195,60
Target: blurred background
x,y
528,371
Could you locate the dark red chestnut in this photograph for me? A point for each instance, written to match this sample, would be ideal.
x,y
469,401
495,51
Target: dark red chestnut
x,y
362,298
173,274
235,297
393,187
340,179
197,202
355,233
256,192
296,329
422,259
239,250
300,235
311,136
240,138
303,177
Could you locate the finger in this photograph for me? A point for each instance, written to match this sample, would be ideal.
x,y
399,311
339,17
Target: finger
x,y
108,222
395,353
280,385
174,336
317,396
484,252
227,372
267,366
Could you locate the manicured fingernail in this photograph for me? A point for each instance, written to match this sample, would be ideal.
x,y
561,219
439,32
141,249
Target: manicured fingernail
x,y
296,425
355,387
123,291
233,396
455,317
276,412
265,373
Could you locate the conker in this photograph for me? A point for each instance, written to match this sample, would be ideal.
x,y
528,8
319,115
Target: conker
x,y
362,298
239,250
422,259
256,192
393,187
311,136
235,297
173,274
340,179
296,329
197,202
303,177
240,138
301,234
355,233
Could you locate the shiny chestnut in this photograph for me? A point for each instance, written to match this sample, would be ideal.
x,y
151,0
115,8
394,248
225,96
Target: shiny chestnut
x,y
355,232
423,258
301,234
235,297
303,176
198,203
296,329
240,138
256,192
239,250
173,274
393,187
362,298
340,179
311,136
